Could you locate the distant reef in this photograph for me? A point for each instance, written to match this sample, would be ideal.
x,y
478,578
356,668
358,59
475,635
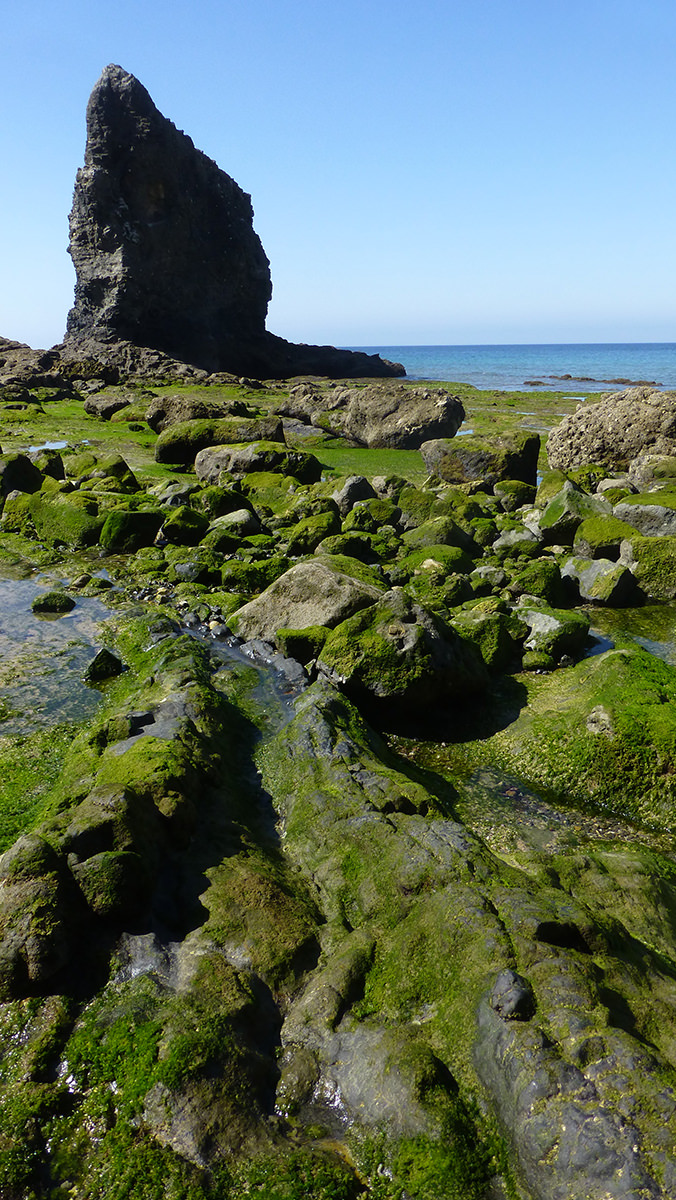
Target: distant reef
x,y
166,256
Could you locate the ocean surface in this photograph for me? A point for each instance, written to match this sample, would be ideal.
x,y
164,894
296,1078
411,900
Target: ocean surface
x,y
592,367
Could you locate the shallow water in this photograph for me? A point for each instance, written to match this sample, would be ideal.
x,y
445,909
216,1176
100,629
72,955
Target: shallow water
x,y
43,658
652,626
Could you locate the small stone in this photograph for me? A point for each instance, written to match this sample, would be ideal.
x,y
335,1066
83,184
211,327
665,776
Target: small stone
x,y
53,602
105,665
512,997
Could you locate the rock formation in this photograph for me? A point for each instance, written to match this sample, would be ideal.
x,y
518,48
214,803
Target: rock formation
x,y
615,429
165,252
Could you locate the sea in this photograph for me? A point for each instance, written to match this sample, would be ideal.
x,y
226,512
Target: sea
x,y
577,367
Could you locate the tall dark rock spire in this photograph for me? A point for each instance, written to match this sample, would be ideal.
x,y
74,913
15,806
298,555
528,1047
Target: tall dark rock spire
x,y
165,252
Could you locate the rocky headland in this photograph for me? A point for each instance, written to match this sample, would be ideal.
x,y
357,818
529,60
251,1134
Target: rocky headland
x,y
356,881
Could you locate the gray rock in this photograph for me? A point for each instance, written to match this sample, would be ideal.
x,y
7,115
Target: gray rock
x,y
310,593
512,997
509,456
600,580
615,429
652,520
391,414
355,488
217,461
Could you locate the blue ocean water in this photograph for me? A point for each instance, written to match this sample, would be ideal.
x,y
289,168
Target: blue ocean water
x,y
509,367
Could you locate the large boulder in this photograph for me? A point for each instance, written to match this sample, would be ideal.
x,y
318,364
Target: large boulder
x,y
311,593
615,429
380,414
399,652
507,456
165,252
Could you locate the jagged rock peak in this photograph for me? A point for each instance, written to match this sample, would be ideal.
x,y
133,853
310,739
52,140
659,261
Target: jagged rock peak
x,y
165,252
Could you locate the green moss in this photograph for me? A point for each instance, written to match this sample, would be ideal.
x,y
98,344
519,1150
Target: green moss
x,y
73,519
600,536
302,644
125,530
449,560
653,562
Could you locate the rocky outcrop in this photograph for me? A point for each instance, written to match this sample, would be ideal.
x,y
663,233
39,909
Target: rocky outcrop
x,y
165,252
615,429
386,414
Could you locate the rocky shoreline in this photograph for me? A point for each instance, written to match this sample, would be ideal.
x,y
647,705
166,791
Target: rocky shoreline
x,y
356,880
247,944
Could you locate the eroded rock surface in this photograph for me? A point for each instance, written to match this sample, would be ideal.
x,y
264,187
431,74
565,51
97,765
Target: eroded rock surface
x,y
615,429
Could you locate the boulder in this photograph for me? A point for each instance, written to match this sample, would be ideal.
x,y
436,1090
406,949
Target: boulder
x,y
509,456
19,474
566,510
310,593
652,561
615,429
217,464
601,581
397,651
179,443
165,253
174,409
653,514
553,631
388,414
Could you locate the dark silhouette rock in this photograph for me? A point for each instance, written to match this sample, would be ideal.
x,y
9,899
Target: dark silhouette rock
x,y
165,252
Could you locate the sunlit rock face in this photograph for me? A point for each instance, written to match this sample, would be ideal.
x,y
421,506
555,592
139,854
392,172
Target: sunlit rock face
x,y
165,252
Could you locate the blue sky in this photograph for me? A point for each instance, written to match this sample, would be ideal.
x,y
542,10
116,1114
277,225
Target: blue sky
x,y
444,172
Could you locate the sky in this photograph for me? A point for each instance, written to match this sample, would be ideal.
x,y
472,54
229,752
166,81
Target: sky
x,y
444,172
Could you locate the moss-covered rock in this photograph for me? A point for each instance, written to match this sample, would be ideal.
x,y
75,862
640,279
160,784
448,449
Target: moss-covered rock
x,y
306,535
53,602
652,514
507,456
184,526
554,631
398,652
71,519
652,561
250,577
444,560
181,442
498,636
127,530
302,644
601,536
514,493
566,511
309,594
601,581
219,464
538,577
600,733
367,516
19,474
